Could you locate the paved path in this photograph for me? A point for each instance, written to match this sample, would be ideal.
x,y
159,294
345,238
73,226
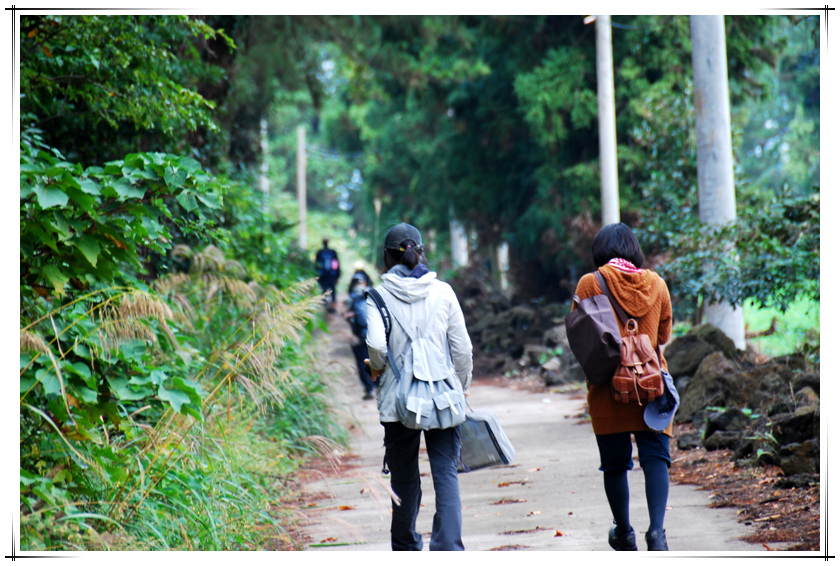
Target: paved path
x,y
550,498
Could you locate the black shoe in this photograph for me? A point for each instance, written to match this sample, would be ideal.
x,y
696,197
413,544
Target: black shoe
x,y
368,396
623,541
656,540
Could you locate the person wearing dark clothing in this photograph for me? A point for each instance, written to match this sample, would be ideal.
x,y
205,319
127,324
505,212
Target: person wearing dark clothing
x,y
328,269
357,317
643,295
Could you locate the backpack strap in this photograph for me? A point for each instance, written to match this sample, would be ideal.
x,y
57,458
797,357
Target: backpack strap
x,y
383,311
605,289
622,314
386,319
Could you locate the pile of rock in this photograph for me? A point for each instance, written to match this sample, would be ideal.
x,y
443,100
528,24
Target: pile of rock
x,y
764,413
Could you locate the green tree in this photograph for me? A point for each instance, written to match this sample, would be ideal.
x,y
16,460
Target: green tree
x,y
109,82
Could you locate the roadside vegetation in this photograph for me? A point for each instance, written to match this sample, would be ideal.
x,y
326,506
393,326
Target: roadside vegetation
x,y
170,375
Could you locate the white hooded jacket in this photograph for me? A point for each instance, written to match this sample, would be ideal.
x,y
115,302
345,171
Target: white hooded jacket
x,y
412,299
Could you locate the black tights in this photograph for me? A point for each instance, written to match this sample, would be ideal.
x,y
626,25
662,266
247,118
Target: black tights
x,y
617,489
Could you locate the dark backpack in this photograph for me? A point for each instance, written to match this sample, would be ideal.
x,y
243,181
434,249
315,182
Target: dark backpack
x,y
328,262
594,337
358,322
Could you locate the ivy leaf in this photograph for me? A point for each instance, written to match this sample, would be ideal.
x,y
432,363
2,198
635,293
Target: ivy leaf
x,y
49,381
126,391
125,189
174,397
189,164
55,277
175,177
187,200
89,247
49,197
89,186
211,200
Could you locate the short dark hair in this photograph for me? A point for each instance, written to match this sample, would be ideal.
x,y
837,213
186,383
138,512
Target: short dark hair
x,y
616,240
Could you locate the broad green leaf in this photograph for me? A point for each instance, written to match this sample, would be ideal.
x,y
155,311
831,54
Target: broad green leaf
x,y
89,247
189,164
55,278
86,394
49,380
125,189
80,369
211,200
49,197
26,383
128,392
86,202
174,397
190,387
187,200
192,410
175,177
89,186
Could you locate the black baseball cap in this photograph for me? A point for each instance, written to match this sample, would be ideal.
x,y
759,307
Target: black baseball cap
x,y
399,234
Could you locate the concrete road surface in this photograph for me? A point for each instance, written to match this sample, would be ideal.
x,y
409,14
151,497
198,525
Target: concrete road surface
x,y
550,498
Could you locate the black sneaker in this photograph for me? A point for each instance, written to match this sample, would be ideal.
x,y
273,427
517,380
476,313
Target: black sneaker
x,y
368,396
623,541
656,540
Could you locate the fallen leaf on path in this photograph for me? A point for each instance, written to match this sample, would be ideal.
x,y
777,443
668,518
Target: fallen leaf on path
x,y
346,508
558,534
506,501
330,539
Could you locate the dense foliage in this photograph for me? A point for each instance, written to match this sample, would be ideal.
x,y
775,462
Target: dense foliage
x,y
166,318
166,313
505,141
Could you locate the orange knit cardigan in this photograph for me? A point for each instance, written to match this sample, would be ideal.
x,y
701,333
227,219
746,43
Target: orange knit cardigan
x,y
643,296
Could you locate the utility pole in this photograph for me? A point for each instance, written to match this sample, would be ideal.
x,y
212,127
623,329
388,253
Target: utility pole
x,y
263,179
715,173
458,242
377,208
301,186
606,121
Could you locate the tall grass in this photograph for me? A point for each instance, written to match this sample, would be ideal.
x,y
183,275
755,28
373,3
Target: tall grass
x,y
202,464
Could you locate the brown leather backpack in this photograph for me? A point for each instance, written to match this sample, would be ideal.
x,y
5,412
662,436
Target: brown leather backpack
x,y
638,377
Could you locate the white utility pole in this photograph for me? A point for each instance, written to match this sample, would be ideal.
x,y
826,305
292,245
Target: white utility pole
x,y
458,240
503,261
715,173
301,186
606,122
263,179
377,209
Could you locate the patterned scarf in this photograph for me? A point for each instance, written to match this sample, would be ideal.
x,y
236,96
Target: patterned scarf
x,y
623,265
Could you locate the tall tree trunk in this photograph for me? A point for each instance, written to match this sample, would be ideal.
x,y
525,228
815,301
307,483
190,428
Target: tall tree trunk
x,y
606,122
715,177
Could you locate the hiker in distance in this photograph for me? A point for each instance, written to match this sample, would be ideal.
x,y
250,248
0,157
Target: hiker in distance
x,y
430,311
328,270
644,296
356,315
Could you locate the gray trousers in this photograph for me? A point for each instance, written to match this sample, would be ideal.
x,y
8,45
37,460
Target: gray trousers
x,y
402,448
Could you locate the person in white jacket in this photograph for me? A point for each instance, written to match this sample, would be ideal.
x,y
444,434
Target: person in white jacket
x,y
407,285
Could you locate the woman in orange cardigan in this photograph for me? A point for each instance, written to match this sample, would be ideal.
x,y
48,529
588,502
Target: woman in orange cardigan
x,y
644,295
